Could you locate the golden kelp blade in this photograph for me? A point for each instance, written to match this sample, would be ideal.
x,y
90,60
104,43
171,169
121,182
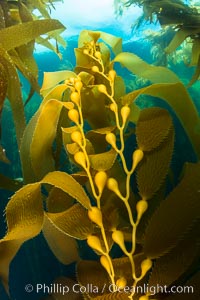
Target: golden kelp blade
x,y
14,93
114,42
195,52
12,37
24,214
63,246
103,161
24,13
196,74
122,266
27,170
152,128
58,201
139,67
40,5
51,79
45,42
27,66
3,85
54,93
179,99
49,111
179,37
69,185
154,168
73,222
43,137
20,34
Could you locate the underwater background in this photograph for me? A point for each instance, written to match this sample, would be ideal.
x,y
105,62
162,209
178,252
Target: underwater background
x,y
35,263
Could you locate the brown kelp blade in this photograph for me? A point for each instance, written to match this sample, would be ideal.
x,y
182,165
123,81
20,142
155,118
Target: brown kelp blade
x,y
178,260
25,215
183,206
10,184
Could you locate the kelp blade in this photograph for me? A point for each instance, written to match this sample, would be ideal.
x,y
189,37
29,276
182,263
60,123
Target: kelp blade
x,y
179,99
63,246
14,94
43,137
114,42
20,34
139,67
51,79
183,206
25,216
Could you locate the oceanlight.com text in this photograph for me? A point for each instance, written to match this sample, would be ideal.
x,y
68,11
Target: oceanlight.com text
x,y
58,288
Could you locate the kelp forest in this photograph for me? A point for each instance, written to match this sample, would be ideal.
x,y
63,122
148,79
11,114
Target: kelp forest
x,y
108,164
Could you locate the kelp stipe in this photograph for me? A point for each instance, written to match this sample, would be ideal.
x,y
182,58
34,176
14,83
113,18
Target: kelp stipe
x,y
97,202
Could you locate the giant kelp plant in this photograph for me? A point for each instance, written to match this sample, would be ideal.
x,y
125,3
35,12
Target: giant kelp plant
x,y
114,193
